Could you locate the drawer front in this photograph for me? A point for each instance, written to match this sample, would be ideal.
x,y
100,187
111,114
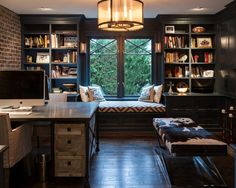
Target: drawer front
x,y
69,145
180,102
69,129
70,166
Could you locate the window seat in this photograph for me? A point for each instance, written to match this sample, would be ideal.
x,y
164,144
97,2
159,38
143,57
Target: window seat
x,y
128,118
130,106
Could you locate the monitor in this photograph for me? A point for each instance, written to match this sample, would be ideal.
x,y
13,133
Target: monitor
x,y
22,88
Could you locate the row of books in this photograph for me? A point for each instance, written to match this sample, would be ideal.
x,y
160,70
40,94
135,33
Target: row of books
x,y
175,42
174,57
180,72
63,71
62,41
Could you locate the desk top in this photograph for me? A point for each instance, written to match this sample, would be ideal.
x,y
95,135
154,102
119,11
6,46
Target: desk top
x,y
2,148
63,111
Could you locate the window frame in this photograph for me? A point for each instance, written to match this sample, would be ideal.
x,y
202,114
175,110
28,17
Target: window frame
x,y
120,64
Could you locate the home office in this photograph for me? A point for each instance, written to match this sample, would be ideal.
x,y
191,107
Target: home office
x,y
187,51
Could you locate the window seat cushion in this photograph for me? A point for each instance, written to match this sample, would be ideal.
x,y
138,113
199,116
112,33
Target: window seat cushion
x,y
130,106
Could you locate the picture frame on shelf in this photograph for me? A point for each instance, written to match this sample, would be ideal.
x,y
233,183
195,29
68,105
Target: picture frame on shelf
x,y
70,42
204,42
42,57
170,29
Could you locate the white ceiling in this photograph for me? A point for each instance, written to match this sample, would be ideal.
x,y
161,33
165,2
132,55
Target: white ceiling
x,y
89,7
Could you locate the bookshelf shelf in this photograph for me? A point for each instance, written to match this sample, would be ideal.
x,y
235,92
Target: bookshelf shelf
x,y
58,42
189,57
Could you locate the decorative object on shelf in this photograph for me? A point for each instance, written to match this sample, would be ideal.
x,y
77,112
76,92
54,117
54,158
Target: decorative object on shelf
x,y
169,29
204,42
69,86
196,58
199,29
72,71
170,92
183,58
42,57
208,73
29,59
116,15
70,42
182,87
82,47
158,47
186,71
56,90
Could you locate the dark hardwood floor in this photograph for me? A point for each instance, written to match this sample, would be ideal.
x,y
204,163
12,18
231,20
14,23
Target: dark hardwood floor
x,y
121,163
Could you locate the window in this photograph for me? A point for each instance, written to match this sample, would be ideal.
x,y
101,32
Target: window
x,y
137,65
121,67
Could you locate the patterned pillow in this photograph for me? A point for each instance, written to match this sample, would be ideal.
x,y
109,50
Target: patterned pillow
x,y
157,93
95,94
147,94
84,93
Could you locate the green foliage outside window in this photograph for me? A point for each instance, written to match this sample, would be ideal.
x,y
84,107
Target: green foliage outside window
x,y
137,65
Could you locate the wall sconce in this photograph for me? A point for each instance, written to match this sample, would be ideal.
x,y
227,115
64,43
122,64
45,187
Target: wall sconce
x,y
158,47
83,48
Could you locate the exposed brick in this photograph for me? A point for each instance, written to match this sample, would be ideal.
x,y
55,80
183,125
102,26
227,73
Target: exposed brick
x,y
10,40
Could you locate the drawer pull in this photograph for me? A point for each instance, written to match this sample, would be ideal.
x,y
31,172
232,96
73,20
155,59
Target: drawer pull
x,y
68,163
68,129
68,141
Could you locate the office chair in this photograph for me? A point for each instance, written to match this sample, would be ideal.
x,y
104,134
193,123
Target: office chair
x,y
18,140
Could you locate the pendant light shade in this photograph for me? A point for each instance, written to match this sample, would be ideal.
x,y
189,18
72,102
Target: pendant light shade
x,y
120,15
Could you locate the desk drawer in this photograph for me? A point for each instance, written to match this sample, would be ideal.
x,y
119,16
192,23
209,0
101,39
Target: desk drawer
x,y
69,129
69,145
67,166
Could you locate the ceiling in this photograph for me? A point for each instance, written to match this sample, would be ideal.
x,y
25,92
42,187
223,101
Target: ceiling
x,y
89,7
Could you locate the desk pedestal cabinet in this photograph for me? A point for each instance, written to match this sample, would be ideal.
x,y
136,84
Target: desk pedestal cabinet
x,y
69,150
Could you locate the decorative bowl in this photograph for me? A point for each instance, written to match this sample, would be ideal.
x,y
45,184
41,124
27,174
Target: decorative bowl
x,y
182,87
199,29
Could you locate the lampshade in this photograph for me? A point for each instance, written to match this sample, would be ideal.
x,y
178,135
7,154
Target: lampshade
x,y
120,15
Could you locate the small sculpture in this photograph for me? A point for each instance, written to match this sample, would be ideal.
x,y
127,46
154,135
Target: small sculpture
x,y
170,92
183,58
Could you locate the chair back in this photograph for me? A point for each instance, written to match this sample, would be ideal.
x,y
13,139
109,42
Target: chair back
x,y
5,128
18,140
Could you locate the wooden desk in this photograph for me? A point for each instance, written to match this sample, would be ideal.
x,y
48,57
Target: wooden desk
x,y
2,149
68,113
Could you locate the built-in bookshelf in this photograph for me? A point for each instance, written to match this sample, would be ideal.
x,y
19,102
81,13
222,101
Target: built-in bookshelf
x,y
189,56
53,48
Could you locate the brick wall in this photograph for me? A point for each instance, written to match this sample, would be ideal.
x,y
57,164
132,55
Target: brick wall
x,y
10,40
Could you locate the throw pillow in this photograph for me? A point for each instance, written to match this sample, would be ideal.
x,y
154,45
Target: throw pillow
x,y
157,93
84,93
95,94
147,94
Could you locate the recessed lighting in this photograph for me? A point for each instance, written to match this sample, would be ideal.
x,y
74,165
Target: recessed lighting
x,y
45,8
198,9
